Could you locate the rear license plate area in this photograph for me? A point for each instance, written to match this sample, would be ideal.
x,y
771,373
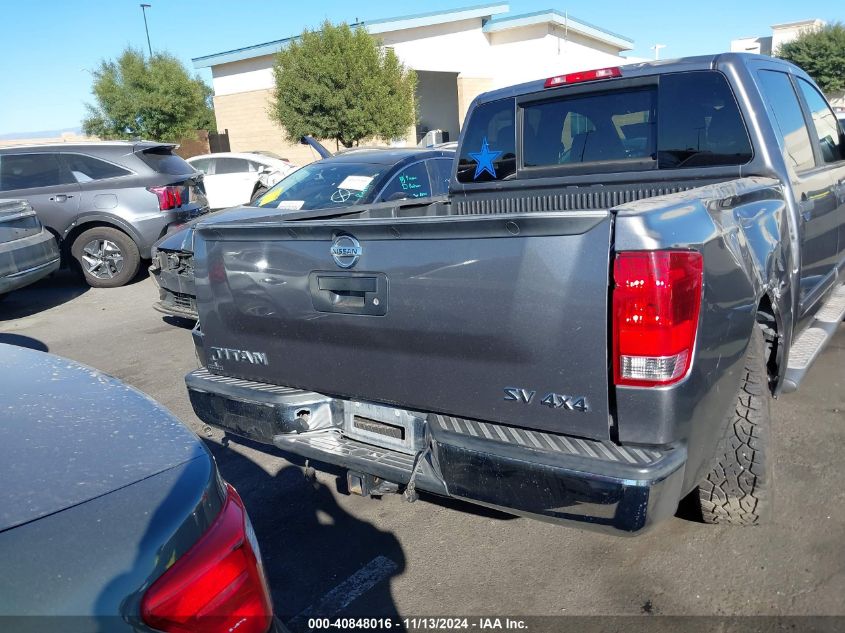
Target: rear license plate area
x,y
386,427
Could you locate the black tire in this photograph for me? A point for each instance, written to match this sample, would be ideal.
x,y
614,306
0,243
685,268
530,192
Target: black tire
x,y
259,191
111,272
737,490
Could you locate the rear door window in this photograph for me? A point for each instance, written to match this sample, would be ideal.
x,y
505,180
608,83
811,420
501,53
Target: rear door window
x,y
440,171
410,182
230,166
488,148
87,168
824,124
201,164
699,123
789,119
30,171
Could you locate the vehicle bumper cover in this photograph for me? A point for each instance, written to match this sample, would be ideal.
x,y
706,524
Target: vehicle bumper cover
x,y
153,227
176,291
27,260
589,486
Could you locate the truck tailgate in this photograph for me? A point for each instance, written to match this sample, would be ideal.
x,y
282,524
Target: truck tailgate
x,y
499,318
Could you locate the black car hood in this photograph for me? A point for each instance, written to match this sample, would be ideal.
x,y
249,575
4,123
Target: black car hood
x,y
69,434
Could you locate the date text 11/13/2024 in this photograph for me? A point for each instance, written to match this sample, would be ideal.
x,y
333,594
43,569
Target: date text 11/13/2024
x,y
419,624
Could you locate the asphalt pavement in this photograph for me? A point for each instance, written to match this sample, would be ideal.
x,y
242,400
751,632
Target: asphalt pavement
x,y
329,552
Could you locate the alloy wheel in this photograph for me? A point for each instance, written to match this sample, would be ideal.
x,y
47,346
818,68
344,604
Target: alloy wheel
x,y
102,259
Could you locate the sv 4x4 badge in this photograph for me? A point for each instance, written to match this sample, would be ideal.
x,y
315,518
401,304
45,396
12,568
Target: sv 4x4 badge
x,y
552,400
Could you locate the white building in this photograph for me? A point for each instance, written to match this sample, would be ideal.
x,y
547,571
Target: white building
x,y
781,34
457,54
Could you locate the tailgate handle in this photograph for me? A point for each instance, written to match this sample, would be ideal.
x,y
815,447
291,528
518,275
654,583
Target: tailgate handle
x,y
357,285
349,293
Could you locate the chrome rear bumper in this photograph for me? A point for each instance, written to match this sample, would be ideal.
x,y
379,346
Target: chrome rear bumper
x,y
589,483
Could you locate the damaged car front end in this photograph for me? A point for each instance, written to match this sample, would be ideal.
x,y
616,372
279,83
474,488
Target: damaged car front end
x,y
172,269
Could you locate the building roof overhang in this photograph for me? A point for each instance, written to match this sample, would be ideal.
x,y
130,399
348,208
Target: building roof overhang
x,y
564,20
417,20
493,16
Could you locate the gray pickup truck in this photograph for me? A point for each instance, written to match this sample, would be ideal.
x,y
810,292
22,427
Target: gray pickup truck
x,y
630,264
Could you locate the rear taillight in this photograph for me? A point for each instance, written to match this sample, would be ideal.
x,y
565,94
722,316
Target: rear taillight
x,y
584,75
169,197
656,301
218,585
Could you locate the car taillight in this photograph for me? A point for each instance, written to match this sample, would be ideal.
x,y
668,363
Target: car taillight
x,y
584,75
656,301
218,585
169,197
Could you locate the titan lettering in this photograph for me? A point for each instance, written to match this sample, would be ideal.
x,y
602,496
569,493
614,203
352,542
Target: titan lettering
x,y
239,355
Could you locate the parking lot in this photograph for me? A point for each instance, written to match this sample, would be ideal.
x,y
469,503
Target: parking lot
x,y
330,552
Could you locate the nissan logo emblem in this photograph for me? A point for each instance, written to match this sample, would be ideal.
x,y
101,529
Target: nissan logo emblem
x,y
345,251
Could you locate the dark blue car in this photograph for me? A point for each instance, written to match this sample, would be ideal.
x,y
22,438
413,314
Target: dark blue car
x,y
113,516
355,176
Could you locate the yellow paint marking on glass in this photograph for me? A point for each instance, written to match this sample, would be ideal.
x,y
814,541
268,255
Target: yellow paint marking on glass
x,y
269,197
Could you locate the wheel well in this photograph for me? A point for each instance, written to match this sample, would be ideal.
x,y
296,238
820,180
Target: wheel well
x,y
81,228
55,234
766,320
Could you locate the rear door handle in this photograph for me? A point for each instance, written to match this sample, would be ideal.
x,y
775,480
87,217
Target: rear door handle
x,y
60,197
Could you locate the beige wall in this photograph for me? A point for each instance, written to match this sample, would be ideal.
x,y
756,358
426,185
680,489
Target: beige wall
x,y
468,89
244,114
837,98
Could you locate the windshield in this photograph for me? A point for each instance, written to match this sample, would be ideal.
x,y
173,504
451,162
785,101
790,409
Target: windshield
x,y
323,185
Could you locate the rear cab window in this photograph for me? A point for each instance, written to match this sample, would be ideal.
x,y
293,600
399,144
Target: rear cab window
x,y
663,122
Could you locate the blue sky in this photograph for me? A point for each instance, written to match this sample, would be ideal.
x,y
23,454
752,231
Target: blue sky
x,y
49,47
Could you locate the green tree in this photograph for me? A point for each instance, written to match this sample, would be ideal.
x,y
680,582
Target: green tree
x,y
821,53
339,83
153,98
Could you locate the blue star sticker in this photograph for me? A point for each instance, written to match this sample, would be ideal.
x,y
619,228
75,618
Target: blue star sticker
x,y
484,160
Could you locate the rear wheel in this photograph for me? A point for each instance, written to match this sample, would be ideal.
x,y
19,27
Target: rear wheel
x,y
107,257
737,490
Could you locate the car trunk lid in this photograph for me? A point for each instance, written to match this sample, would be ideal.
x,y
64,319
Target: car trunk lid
x,y
17,220
69,434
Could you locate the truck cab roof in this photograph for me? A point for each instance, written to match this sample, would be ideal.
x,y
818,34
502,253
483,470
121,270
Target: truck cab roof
x,y
657,67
